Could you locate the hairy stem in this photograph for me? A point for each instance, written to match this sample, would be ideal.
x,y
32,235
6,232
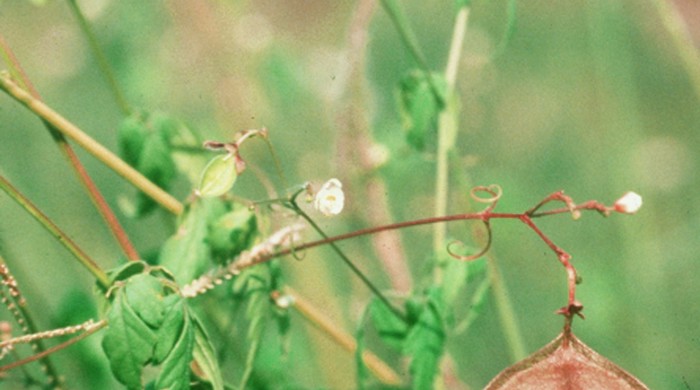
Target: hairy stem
x,y
89,144
55,231
102,62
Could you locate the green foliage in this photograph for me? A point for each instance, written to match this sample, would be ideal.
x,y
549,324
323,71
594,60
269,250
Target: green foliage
x,y
232,232
186,253
149,323
144,142
205,356
420,107
425,341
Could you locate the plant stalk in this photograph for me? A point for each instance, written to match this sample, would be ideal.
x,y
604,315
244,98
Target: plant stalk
x,y
55,231
103,154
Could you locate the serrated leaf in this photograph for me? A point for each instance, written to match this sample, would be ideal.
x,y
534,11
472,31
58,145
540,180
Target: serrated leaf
x,y
145,295
420,107
218,177
425,341
128,342
232,233
204,355
186,254
175,370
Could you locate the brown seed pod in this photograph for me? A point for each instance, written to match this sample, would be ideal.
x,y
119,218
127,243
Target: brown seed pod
x,y
564,363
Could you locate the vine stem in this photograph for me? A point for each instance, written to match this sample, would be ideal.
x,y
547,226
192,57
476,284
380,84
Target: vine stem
x,y
347,261
103,154
93,192
49,225
102,62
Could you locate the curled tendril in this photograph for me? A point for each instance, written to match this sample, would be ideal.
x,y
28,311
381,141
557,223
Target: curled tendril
x,y
483,250
494,190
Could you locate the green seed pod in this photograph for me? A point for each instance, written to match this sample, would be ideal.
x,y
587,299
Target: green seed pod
x,y
218,176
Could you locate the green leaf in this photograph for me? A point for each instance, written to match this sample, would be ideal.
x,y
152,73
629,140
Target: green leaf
x,y
157,165
232,233
420,107
144,144
218,177
258,307
145,295
186,254
175,371
172,324
205,356
128,342
362,371
425,341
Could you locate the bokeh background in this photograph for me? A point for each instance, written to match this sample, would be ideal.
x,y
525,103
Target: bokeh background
x,y
593,97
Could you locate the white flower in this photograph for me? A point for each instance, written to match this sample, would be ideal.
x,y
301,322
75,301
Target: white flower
x,y
629,203
330,199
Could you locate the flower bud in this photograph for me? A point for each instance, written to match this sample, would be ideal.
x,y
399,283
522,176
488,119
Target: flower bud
x,y
330,199
218,176
629,203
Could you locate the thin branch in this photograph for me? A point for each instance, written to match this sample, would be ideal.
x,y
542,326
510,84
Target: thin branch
x,y
93,192
89,144
55,231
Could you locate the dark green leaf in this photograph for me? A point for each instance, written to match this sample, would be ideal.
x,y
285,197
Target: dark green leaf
x,y
156,163
425,341
175,370
420,107
128,342
144,144
205,356
232,233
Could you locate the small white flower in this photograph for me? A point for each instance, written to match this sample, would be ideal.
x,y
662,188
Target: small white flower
x,y
629,203
330,199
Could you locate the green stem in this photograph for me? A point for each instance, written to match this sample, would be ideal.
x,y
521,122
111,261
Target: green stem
x,y
102,62
88,184
346,260
506,314
447,132
103,154
49,225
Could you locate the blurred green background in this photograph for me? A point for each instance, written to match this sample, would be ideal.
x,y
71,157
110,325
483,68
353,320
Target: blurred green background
x,y
594,97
